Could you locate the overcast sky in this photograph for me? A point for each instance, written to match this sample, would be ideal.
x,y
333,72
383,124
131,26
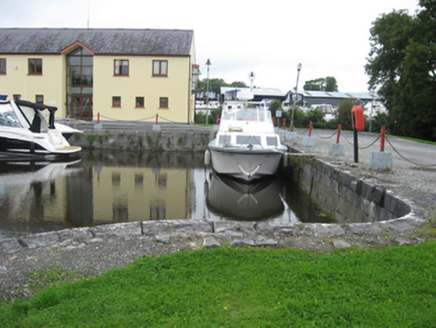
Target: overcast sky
x,y
269,38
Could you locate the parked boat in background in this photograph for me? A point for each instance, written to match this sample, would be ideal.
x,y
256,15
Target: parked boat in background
x,y
246,146
29,129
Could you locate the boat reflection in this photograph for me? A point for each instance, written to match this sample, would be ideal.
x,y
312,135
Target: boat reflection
x,y
29,192
236,200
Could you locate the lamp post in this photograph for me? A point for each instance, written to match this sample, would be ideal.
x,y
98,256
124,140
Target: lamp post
x,y
296,88
208,63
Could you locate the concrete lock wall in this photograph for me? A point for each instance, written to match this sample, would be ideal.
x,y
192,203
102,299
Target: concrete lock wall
x,y
344,196
146,140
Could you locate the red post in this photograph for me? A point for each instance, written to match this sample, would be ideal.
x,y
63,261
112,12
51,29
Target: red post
x,y
382,143
157,118
98,118
339,133
217,119
284,124
310,128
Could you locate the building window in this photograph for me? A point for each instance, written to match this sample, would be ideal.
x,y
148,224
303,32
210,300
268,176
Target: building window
x,y
195,77
35,66
121,67
2,65
116,101
139,102
39,99
163,102
160,67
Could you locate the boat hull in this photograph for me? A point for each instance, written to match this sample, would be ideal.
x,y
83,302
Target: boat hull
x,y
23,145
245,164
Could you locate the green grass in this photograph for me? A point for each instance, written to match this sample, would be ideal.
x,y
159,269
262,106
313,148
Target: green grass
x,y
246,288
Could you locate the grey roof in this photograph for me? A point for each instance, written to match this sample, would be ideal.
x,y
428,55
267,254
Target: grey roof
x,y
100,41
331,94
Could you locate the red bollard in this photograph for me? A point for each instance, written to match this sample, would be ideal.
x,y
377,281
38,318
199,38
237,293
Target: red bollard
x,y
98,118
157,118
339,133
310,128
284,124
292,127
382,143
217,119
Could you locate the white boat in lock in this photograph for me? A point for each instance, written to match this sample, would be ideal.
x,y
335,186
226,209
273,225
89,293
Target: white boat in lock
x,y
246,146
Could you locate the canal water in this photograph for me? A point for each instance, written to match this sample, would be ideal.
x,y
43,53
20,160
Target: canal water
x,y
110,187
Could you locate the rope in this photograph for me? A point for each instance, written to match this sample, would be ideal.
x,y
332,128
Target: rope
x,y
408,160
303,131
322,137
372,143
117,119
165,119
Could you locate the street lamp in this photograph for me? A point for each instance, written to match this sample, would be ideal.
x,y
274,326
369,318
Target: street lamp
x,y
208,63
295,99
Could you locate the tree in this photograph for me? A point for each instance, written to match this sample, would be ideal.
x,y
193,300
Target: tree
x,y
402,64
344,114
214,84
238,84
322,84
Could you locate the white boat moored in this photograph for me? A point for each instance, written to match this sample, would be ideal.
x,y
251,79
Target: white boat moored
x,y
29,129
246,146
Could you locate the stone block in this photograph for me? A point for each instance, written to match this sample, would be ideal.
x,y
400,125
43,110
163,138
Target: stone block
x,y
381,161
337,150
221,226
210,242
10,246
40,239
291,136
76,234
309,142
119,229
169,226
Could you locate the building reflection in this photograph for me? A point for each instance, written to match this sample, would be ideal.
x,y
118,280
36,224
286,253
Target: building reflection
x,y
102,188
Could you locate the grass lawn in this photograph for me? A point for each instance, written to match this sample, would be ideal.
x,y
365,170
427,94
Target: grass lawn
x,y
394,287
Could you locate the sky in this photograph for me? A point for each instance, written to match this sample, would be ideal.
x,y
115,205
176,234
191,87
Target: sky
x,y
268,38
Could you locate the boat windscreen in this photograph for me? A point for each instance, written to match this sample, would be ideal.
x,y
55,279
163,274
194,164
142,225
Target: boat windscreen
x,y
8,116
248,140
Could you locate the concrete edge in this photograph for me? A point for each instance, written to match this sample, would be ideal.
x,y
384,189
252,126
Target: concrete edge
x,y
409,222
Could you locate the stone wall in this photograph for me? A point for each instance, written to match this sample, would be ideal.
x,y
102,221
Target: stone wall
x,y
347,198
143,140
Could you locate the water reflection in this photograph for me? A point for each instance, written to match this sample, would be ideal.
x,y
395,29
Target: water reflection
x,y
240,201
103,187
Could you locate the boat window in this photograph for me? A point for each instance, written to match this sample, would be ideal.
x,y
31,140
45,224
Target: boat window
x,y
248,140
224,140
8,116
271,141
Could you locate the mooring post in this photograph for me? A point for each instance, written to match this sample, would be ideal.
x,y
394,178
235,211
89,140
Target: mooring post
x,y
339,133
310,129
356,142
382,141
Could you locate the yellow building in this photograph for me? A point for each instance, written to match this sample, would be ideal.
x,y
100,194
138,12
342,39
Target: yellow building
x,y
117,74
